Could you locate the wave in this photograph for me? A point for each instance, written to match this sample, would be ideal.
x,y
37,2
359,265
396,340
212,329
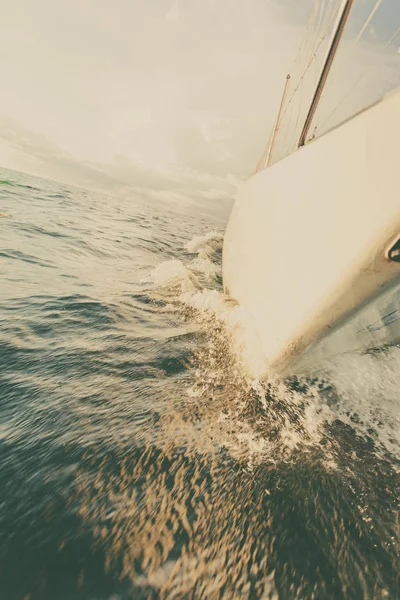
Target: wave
x,y
238,464
357,392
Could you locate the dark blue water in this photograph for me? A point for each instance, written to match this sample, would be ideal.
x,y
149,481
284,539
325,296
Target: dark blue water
x,y
137,458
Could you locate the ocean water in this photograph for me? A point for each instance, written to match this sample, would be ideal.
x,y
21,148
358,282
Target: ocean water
x,y
138,458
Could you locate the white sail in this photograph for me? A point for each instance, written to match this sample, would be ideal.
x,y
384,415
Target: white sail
x,y
300,84
364,69
366,66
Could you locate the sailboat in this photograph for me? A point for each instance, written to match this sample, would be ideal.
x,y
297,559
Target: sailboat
x,y
312,248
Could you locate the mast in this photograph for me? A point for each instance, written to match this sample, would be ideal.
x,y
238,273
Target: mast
x,y
341,21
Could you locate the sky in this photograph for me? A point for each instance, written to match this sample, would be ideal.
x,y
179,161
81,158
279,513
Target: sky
x,y
163,94
166,93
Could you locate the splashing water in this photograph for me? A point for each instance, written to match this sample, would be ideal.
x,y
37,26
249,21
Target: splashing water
x,y
140,457
237,459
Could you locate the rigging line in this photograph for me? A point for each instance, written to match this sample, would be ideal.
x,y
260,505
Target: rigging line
x,y
323,16
261,163
265,157
347,94
309,63
317,22
362,76
267,160
343,16
308,37
392,38
313,56
367,22
320,21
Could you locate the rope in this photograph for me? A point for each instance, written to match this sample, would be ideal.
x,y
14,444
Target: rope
x,y
322,17
392,38
367,22
320,23
362,76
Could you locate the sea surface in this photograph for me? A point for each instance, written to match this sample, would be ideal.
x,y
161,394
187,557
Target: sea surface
x,y
138,457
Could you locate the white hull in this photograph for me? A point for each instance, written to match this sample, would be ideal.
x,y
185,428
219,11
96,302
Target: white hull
x,y
306,245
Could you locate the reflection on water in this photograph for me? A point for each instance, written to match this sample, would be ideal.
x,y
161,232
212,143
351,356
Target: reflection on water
x,y
139,460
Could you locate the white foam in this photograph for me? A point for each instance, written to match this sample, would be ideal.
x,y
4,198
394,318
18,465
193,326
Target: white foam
x,y
365,387
245,344
194,275
171,273
367,396
210,241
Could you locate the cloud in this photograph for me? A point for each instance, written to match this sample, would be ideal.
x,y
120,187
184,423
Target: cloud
x,y
161,86
31,152
169,94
